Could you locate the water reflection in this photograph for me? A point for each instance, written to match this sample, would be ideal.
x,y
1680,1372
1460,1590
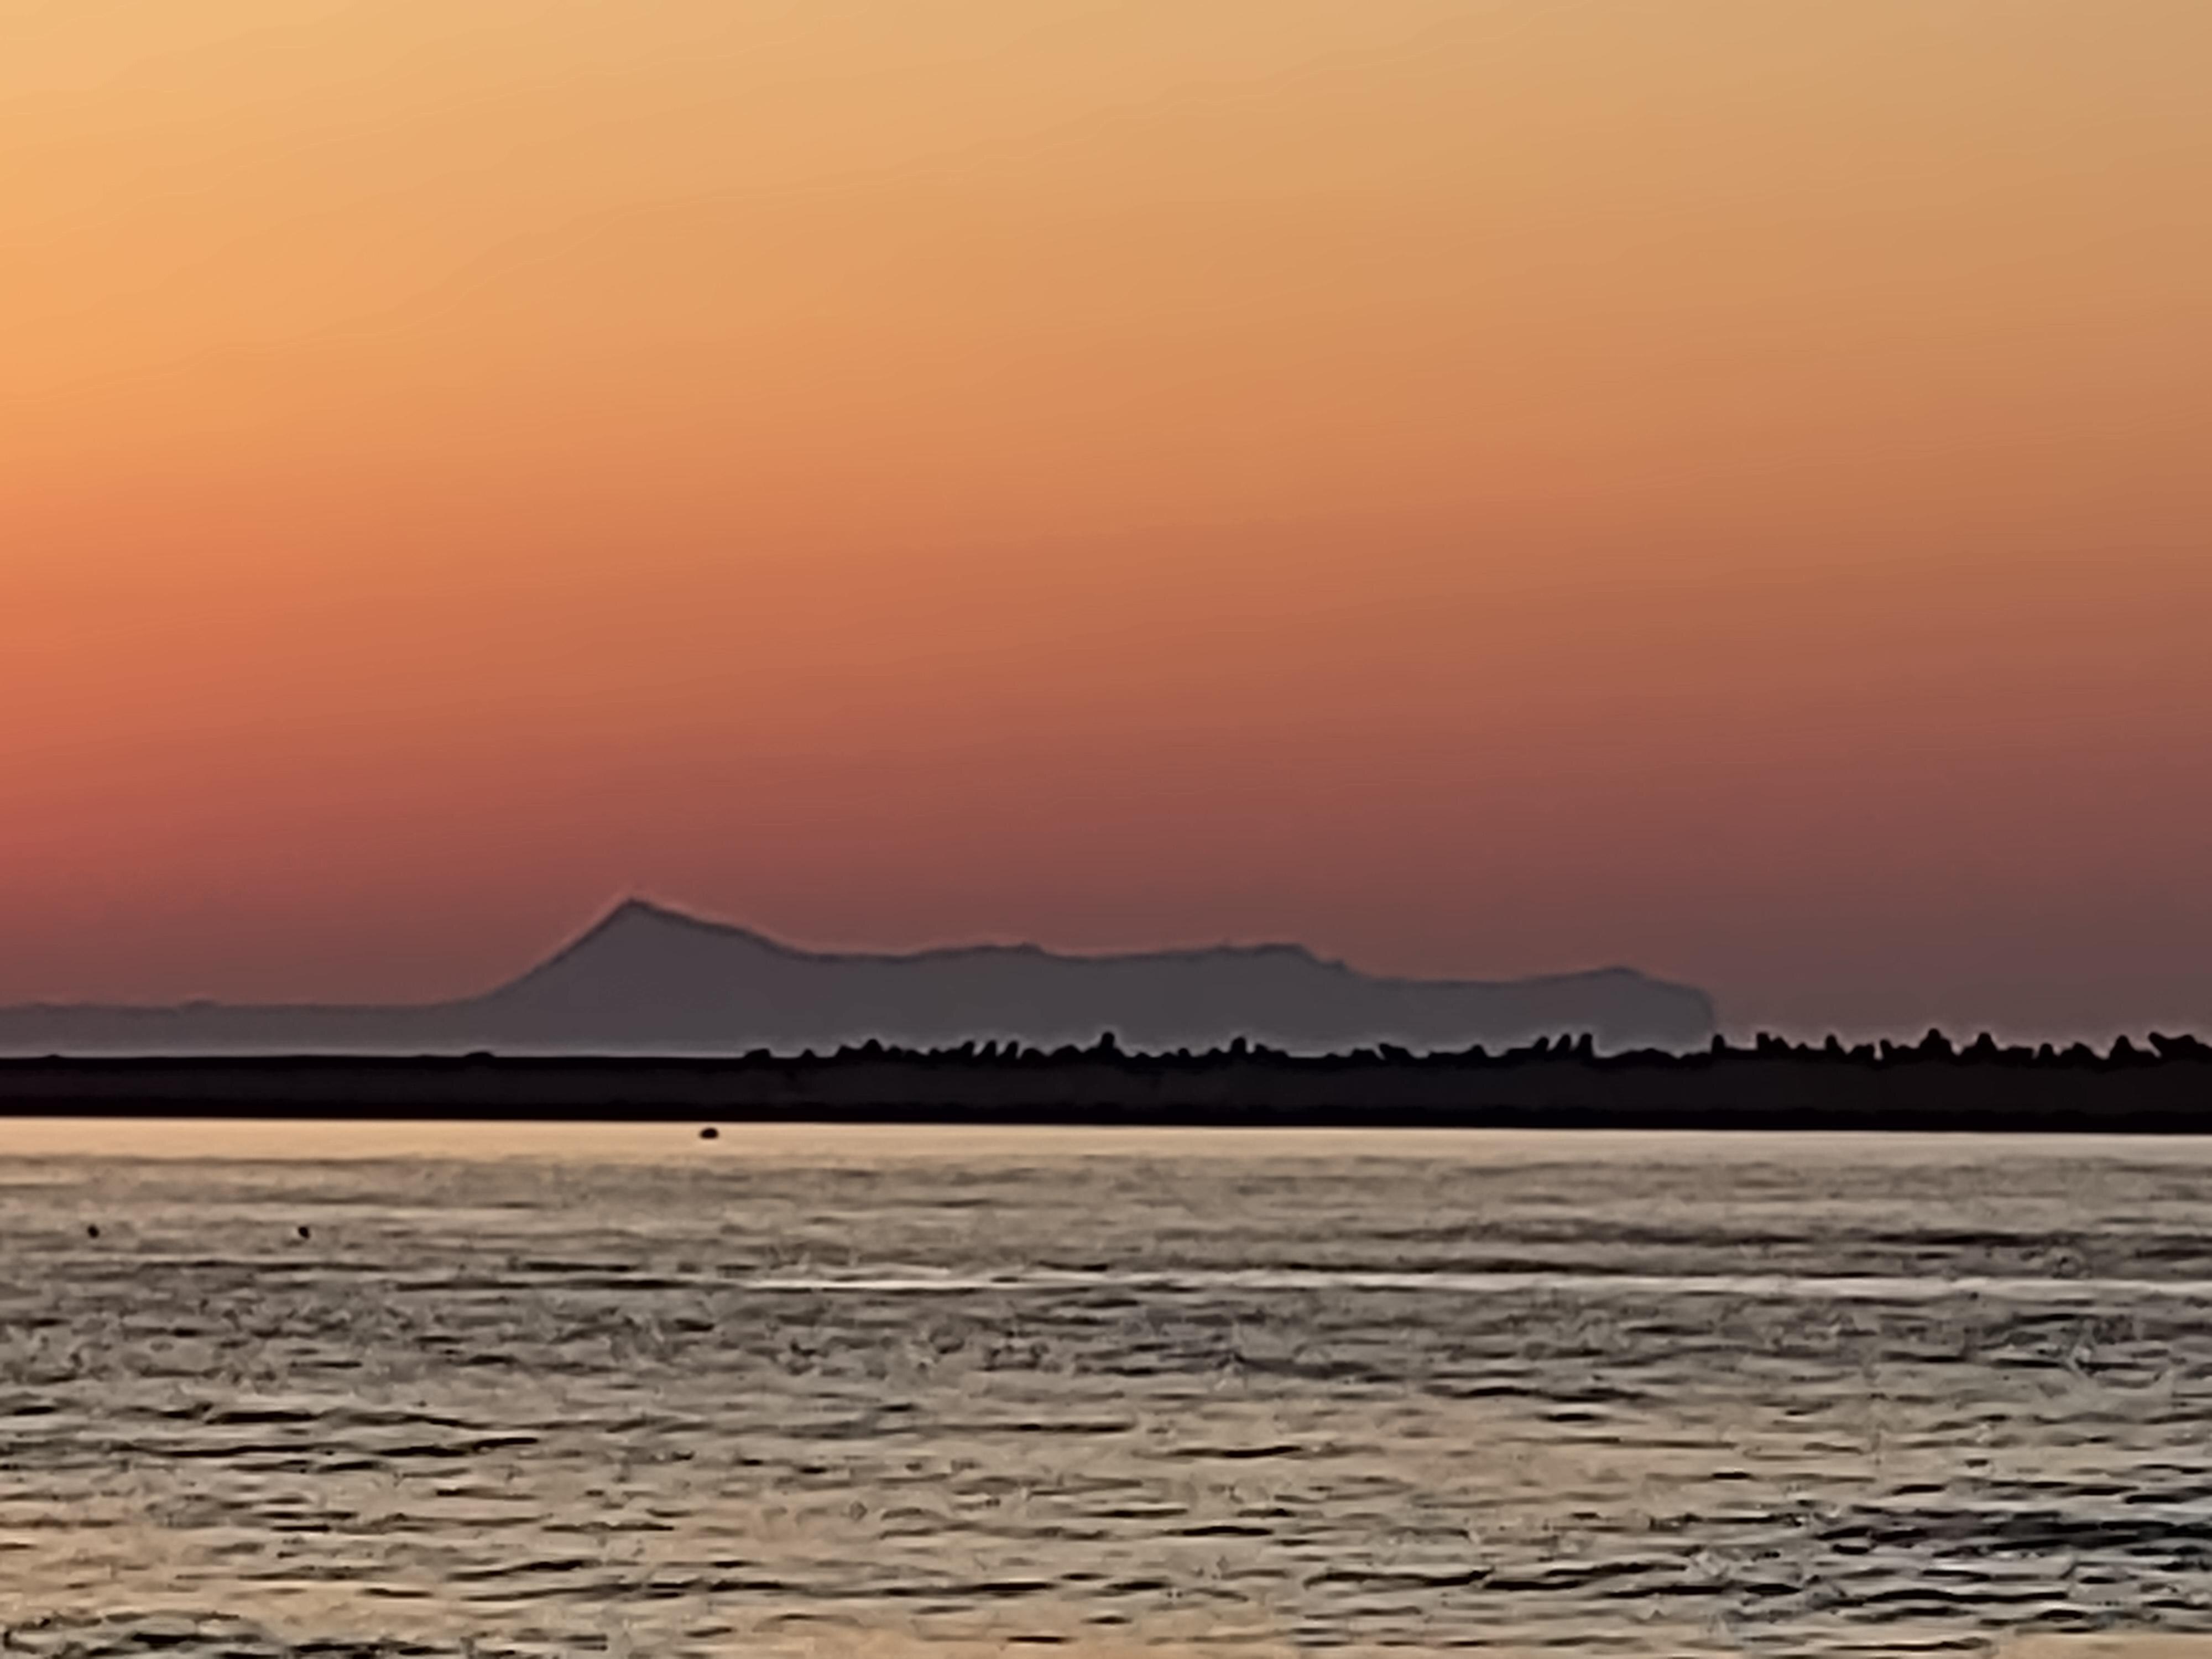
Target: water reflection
x,y
549,1392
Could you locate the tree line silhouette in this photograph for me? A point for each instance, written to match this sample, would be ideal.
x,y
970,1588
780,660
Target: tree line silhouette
x,y
1770,1083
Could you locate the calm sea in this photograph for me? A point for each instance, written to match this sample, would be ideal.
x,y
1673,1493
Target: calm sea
x,y
385,1390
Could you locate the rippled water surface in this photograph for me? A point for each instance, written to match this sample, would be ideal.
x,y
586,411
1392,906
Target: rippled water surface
x,y
518,1391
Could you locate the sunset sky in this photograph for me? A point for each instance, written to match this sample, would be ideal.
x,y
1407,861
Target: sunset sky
x,y
1479,487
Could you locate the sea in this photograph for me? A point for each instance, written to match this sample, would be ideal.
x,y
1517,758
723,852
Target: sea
x,y
362,1389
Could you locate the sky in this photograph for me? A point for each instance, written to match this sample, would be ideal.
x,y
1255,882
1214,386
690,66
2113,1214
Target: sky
x,y
1477,487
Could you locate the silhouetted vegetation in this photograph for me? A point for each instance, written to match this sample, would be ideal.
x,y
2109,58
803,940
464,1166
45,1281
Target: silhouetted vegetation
x,y
1564,1083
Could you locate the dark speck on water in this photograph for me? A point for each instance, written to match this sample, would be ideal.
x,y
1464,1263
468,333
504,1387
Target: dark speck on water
x,y
1139,1397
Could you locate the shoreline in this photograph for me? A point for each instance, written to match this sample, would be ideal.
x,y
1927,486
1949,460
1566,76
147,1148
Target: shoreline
x,y
1770,1089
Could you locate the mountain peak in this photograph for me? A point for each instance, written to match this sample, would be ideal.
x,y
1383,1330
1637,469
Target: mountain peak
x,y
644,916
649,976
634,910
638,933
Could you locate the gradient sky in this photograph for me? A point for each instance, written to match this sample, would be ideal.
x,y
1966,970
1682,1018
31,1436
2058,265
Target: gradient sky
x,y
1476,486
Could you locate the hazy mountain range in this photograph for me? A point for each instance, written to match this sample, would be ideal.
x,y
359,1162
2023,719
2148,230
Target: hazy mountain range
x,y
650,980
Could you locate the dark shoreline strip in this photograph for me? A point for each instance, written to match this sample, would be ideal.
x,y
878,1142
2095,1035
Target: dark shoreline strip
x,y
1771,1086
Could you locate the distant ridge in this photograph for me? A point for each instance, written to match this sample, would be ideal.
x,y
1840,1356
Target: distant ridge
x,y
647,980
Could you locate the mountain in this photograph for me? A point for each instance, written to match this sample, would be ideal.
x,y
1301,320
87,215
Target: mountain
x,y
647,980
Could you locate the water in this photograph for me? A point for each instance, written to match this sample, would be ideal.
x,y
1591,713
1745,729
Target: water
x,y
525,1391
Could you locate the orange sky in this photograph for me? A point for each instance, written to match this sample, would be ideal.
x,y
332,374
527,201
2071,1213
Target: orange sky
x,y
1478,486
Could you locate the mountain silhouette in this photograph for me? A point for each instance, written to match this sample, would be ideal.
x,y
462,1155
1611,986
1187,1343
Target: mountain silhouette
x,y
651,981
